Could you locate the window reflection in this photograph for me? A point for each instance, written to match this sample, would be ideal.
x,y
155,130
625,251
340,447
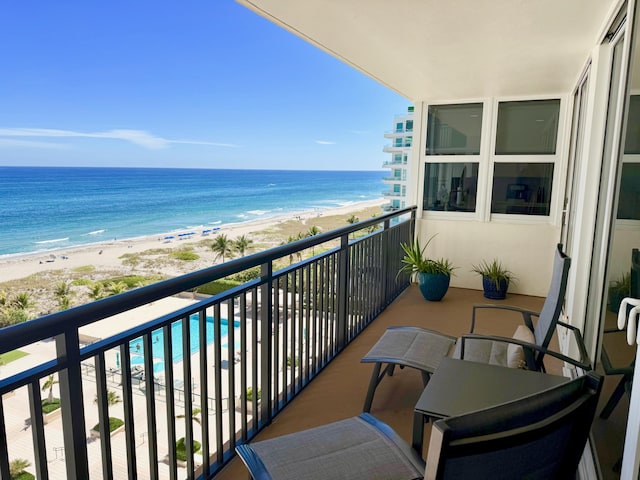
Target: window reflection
x,y
450,186
454,129
522,188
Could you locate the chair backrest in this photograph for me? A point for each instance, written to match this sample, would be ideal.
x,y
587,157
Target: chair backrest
x,y
550,313
539,436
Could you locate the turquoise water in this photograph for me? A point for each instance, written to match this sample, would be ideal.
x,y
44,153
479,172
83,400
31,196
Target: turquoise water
x,y
157,347
60,207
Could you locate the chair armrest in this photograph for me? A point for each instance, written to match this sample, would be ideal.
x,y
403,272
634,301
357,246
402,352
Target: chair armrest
x,y
526,314
253,463
474,336
578,336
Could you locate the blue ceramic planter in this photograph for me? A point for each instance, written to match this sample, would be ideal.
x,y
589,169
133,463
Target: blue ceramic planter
x,y
493,292
433,286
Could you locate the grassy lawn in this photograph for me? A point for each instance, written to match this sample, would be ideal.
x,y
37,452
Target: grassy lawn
x,y
11,356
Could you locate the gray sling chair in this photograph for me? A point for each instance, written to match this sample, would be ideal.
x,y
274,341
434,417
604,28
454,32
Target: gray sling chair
x,y
539,436
423,349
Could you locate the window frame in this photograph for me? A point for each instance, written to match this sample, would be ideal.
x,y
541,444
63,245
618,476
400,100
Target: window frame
x,y
559,166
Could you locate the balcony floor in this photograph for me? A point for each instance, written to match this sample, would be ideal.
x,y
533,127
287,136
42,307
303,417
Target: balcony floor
x,y
339,391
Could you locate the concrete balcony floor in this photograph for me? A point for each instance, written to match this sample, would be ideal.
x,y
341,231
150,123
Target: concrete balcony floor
x,y
339,391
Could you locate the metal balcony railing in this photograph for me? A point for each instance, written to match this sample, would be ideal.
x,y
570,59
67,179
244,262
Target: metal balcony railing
x,y
248,352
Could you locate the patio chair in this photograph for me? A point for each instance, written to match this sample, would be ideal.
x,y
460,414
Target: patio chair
x,y
423,349
539,436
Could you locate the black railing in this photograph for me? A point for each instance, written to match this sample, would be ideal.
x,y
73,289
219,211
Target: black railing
x,y
213,372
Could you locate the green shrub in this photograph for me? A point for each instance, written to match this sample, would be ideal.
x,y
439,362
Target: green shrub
x,y
113,424
181,449
48,407
185,256
250,394
84,269
246,275
217,286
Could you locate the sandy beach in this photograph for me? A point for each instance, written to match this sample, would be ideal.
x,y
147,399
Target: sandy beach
x,y
42,270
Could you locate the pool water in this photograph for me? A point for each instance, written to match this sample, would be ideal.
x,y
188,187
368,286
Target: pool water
x,y
157,348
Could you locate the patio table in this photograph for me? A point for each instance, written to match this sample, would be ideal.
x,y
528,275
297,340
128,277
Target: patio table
x,y
462,386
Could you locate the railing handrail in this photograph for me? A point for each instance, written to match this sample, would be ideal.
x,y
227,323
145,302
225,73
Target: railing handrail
x,y
22,334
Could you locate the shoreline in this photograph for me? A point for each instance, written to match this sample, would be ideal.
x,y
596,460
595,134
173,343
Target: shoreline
x,y
106,255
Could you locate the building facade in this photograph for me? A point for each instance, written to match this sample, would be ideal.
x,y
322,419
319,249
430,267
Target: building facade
x,y
400,150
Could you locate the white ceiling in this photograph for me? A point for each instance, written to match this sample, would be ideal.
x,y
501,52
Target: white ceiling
x,y
452,49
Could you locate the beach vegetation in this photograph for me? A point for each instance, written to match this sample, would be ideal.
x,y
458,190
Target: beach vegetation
x,y
241,244
48,385
62,292
245,275
13,316
115,288
185,256
96,291
222,246
249,396
81,282
217,286
21,301
17,469
85,269
352,219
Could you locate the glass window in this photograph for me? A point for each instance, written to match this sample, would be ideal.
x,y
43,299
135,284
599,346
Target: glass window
x,y
629,201
632,141
407,142
399,127
397,158
454,129
450,186
528,127
398,142
409,127
522,188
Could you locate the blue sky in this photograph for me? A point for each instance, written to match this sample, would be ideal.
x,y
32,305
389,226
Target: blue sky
x,y
179,84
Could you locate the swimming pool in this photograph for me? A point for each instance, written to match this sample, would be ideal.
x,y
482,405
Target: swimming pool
x,y
157,346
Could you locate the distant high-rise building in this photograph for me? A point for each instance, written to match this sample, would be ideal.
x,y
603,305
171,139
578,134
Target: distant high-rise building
x,y
400,149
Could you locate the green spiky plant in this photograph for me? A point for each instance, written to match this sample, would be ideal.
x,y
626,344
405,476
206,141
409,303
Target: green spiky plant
x,y
415,261
494,271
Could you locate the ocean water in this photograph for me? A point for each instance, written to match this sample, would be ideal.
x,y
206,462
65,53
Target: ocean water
x,y
47,208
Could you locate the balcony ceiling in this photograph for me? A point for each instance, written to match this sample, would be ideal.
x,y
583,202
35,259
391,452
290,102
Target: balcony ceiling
x,y
434,49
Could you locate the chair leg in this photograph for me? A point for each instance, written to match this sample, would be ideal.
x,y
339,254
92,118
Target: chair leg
x,y
615,398
373,384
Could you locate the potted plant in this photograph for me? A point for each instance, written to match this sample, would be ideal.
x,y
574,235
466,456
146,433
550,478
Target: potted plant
x,y
433,275
618,290
495,279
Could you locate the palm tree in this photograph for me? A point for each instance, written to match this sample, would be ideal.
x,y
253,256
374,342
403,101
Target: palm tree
x,y
181,449
17,467
313,231
352,219
242,244
116,287
222,246
290,239
96,291
62,289
21,301
48,385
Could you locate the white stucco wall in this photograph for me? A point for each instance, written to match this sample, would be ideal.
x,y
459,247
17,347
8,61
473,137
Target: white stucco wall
x,y
525,249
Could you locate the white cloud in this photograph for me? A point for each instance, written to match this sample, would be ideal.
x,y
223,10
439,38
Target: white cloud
x,y
324,142
10,142
137,137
